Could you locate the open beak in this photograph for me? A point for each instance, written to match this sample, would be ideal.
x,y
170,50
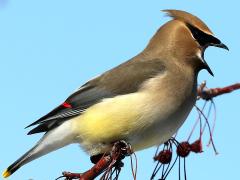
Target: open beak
x,y
217,44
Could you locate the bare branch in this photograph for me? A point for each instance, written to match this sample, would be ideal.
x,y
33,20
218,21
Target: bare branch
x,y
208,94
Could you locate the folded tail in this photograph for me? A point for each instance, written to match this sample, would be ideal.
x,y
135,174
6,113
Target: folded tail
x,y
27,157
51,141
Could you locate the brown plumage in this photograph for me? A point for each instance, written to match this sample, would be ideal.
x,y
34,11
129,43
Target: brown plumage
x,y
142,101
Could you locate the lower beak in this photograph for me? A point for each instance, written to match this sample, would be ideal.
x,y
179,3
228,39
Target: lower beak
x,y
208,68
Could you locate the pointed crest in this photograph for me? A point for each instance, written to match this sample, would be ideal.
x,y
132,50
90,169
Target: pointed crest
x,y
188,18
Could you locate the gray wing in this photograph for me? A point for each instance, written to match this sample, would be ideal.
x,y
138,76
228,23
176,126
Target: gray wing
x,y
125,78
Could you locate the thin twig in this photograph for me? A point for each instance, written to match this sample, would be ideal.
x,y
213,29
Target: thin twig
x,y
208,94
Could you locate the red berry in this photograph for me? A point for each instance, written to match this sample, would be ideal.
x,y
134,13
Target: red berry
x,y
183,149
196,146
164,157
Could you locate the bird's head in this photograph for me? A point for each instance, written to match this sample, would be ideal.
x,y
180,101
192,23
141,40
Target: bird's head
x,y
185,37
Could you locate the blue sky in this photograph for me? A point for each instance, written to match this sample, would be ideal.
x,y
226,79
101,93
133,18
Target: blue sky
x,y
49,48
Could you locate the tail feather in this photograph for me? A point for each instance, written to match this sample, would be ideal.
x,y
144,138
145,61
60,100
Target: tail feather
x,y
51,141
18,163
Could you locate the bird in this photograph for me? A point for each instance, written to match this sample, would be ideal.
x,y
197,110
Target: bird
x,y
143,101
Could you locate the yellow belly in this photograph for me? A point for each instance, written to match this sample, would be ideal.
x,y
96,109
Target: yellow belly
x,y
139,118
110,120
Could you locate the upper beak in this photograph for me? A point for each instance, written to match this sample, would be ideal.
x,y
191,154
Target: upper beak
x,y
220,45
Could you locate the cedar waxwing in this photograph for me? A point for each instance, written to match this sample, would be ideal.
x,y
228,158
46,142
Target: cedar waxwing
x,y
143,101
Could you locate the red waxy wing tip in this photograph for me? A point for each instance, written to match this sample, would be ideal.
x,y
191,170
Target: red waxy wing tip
x,y
66,105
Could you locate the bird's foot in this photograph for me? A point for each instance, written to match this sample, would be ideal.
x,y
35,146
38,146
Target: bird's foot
x,y
104,163
121,149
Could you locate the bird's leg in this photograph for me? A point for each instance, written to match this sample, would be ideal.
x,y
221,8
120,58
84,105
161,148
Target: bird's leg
x,y
119,150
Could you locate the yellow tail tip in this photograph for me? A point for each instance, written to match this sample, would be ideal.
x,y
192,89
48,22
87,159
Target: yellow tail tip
x,y
6,173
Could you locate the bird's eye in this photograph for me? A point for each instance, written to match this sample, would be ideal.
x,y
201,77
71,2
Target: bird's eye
x,y
201,37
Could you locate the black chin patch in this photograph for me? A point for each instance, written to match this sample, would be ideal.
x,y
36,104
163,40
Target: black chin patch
x,y
201,37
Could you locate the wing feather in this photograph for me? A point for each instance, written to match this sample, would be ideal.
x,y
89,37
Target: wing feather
x,y
125,78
